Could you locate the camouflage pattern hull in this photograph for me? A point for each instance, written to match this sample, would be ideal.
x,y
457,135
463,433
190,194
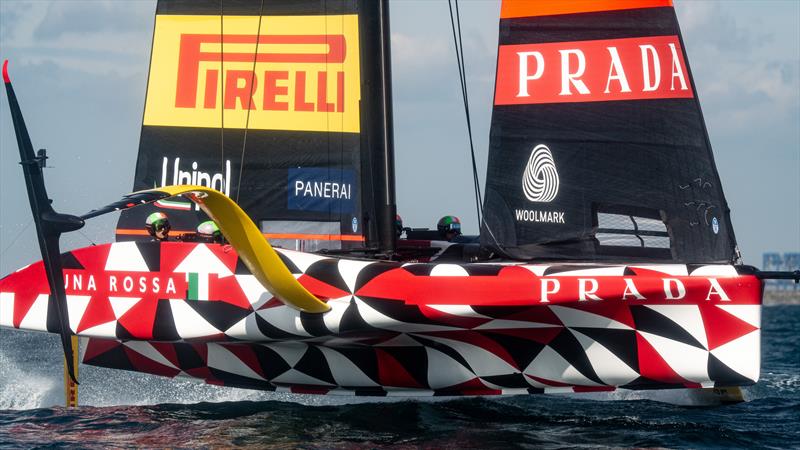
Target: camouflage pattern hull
x,y
189,309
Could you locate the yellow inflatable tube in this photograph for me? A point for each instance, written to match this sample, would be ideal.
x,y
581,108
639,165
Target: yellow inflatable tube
x,y
251,245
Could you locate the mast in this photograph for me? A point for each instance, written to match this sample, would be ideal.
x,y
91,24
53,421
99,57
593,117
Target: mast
x,y
378,90
389,208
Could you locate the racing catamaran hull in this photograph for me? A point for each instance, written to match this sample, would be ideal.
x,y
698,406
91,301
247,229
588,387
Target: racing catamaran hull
x,y
187,309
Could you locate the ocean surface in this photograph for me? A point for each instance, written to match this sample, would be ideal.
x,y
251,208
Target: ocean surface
x,y
125,409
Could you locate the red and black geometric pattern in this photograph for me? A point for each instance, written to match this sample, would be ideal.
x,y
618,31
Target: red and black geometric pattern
x,y
185,309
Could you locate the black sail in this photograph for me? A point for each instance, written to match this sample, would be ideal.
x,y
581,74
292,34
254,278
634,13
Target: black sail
x,y
598,148
262,101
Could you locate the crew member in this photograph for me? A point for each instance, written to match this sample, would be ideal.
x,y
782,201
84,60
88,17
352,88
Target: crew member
x,y
157,224
449,227
398,225
208,231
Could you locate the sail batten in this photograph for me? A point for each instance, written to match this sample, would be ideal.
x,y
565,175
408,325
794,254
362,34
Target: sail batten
x,y
596,115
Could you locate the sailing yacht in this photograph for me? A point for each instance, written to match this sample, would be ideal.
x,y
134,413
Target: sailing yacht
x,y
606,257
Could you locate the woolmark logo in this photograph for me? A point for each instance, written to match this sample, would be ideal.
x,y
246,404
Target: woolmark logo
x,y
540,180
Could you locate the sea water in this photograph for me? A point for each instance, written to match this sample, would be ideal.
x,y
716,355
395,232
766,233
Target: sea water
x,y
125,409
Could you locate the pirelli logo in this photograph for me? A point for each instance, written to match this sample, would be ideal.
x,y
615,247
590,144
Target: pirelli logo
x,y
298,73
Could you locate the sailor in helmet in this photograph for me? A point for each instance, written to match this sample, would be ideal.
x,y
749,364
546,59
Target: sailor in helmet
x,y
398,225
449,227
157,224
208,231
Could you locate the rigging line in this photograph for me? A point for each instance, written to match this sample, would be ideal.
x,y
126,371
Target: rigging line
x,y
249,101
462,78
341,135
462,75
327,115
475,177
466,109
14,241
222,87
459,50
336,208
86,237
358,212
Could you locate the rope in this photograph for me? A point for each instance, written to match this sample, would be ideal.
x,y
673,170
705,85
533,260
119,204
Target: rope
x,y
86,237
14,241
455,22
222,87
249,101
327,114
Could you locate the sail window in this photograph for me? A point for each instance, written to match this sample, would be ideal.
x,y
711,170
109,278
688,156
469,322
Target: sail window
x,y
302,235
631,231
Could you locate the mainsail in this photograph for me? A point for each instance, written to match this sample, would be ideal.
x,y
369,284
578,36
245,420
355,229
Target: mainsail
x,y
263,102
598,147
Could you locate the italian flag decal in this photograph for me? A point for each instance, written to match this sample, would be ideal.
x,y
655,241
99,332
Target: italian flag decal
x,y
172,204
198,286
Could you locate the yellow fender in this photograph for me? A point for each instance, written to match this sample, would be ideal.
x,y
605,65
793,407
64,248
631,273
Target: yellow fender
x,y
251,245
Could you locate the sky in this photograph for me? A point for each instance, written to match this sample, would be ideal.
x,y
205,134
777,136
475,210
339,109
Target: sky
x,y
80,70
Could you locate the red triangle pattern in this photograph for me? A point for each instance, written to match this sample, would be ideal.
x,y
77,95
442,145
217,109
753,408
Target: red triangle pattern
x,y
653,366
93,258
392,373
478,340
226,254
26,285
139,320
320,289
226,289
204,373
539,314
147,365
97,347
167,350
271,303
98,312
173,253
202,350
391,284
474,387
721,326
246,355
209,379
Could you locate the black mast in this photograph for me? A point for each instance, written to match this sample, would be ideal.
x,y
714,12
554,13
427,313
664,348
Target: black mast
x,y
380,135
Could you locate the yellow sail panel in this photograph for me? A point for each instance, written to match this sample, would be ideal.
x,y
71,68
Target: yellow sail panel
x,y
296,73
